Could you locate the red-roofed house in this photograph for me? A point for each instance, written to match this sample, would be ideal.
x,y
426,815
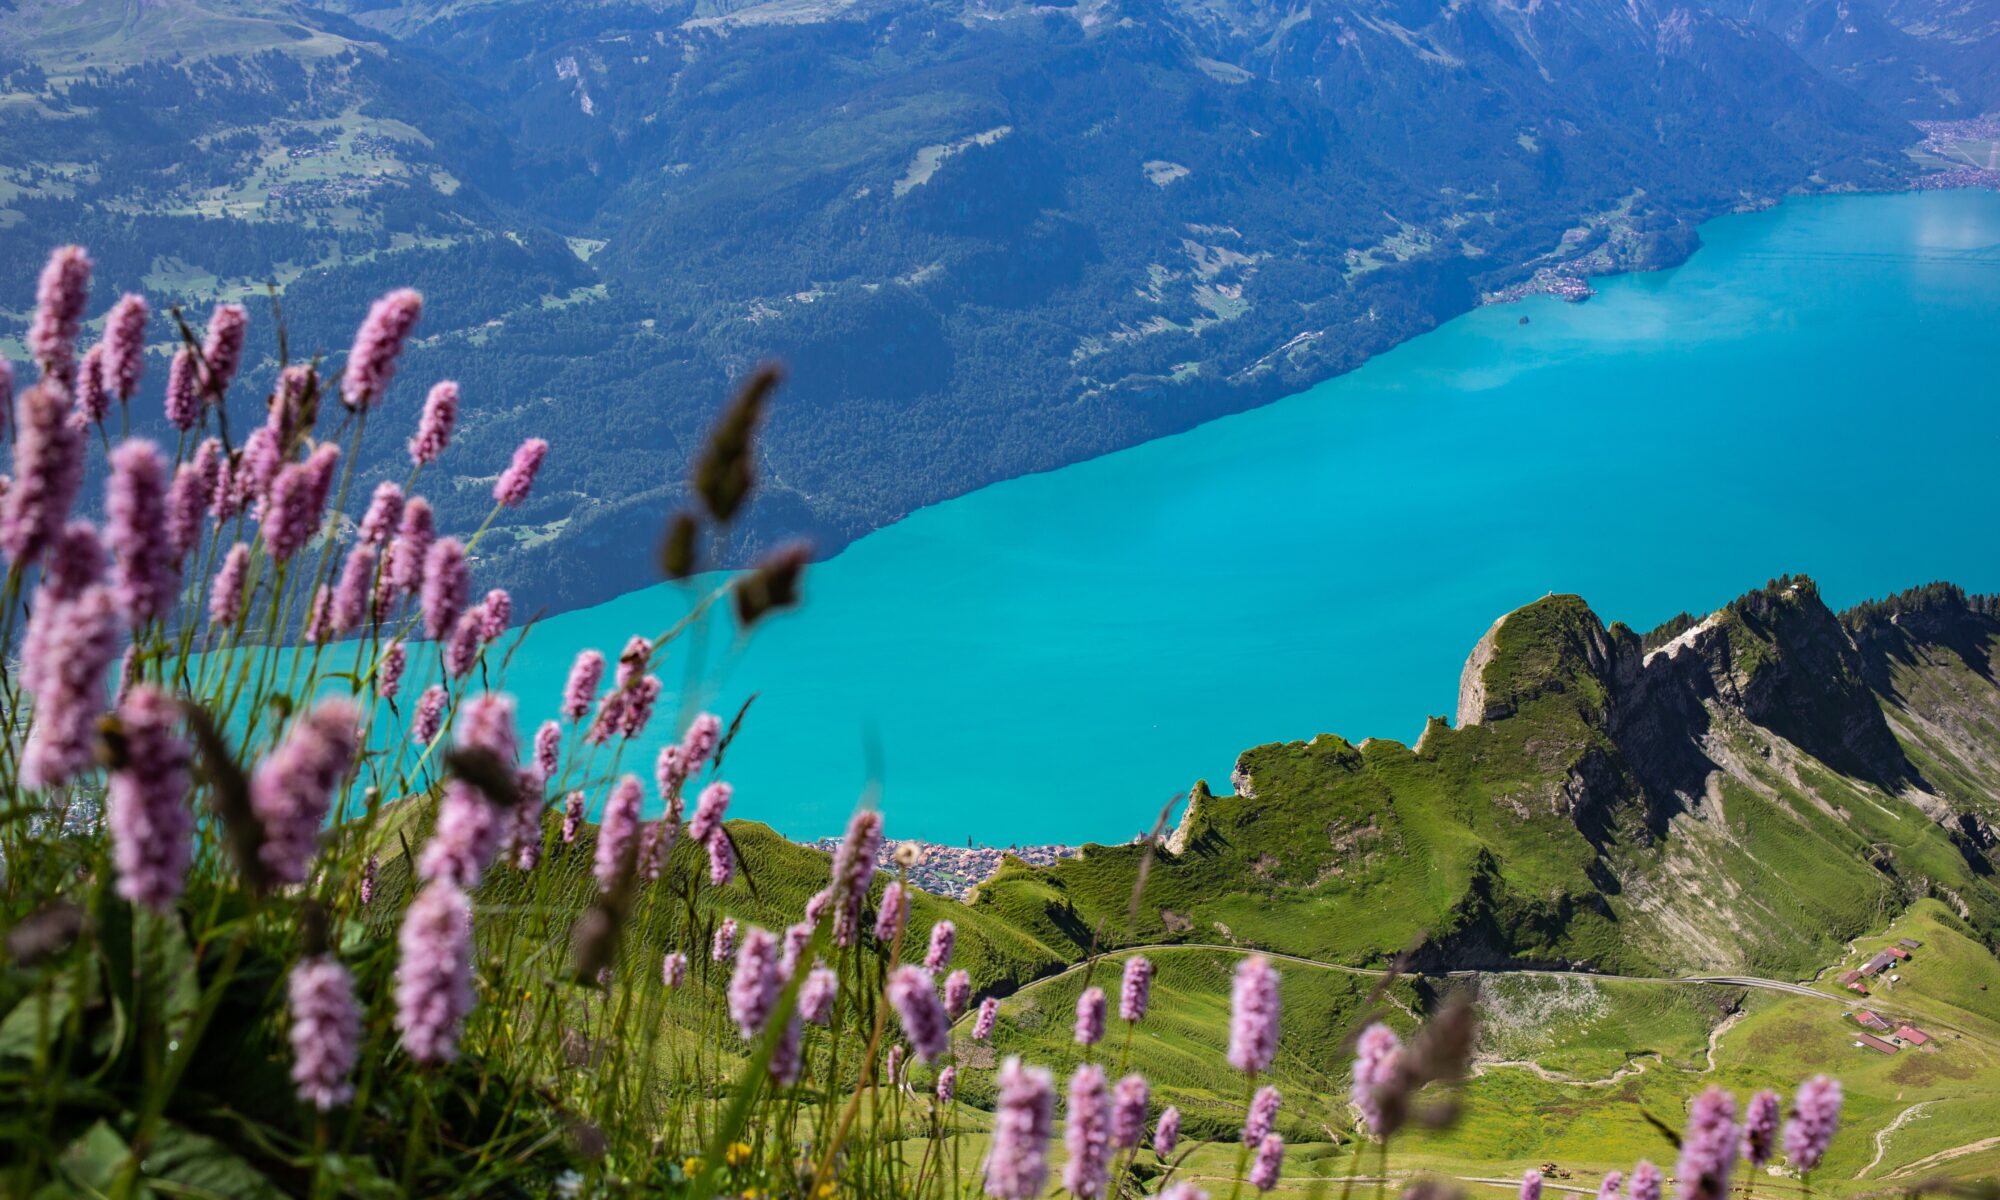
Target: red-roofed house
x,y
1874,1043
1879,963
1898,951
1850,978
1913,1035
1864,1017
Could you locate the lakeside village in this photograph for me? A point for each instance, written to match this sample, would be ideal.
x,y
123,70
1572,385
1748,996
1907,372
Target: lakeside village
x,y
954,871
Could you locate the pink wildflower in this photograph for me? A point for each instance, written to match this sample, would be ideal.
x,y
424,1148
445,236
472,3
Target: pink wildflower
x,y
1167,1134
709,811
183,390
1087,1134
59,301
225,595
817,994
1269,1163
92,399
1136,989
724,947
371,363
548,745
957,993
989,1012
187,504
496,611
1815,1116
618,827
292,789
73,649
326,1031
1090,1017
674,969
146,572
1016,1166
511,489
1760,1128
412,547
462,647
721,858
1378,1060
944,935
222,349
1253,1025
356,587
1646,1181
124,345
1263,1114
584,676
434,426
1708,1147
146,808
434,974
428,721
853,871
753,989
1128,1111
385,509
447,584
913,993
572,816
48,471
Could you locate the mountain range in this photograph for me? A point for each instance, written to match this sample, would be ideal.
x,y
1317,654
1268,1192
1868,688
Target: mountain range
x,y
987,238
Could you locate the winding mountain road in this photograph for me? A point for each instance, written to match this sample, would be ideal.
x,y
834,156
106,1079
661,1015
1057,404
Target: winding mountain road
x,y
1747,981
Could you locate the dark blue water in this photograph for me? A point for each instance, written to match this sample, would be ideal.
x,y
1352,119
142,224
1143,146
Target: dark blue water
x,y
1054,657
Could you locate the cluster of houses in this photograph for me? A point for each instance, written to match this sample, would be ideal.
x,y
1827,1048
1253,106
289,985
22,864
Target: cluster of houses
x,y
1881,969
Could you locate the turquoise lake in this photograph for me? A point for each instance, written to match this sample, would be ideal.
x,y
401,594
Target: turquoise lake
x,y
1053,658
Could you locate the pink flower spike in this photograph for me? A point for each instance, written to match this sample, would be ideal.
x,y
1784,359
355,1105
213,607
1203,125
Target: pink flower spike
x,y
1090,1017
225,596
434,974
48,472
1016,1166
147,807
447,586
385,509
1253,1025
292,790
183,390
222,349
145,572
59,301
435,425
124,345
371,363
1087,1134
326,1031
93,400
511,489
914,995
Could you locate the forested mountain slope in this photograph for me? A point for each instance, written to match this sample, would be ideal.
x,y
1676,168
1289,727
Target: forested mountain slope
x,y
989,238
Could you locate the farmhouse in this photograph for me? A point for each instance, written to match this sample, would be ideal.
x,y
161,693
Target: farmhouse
x,y
1913,1035
1874,1043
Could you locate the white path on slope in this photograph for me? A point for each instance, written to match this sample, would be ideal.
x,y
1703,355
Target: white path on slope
x,y
1882,1135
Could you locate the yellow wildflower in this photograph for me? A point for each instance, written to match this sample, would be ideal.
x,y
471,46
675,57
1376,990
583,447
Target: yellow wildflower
x,y
737,1154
